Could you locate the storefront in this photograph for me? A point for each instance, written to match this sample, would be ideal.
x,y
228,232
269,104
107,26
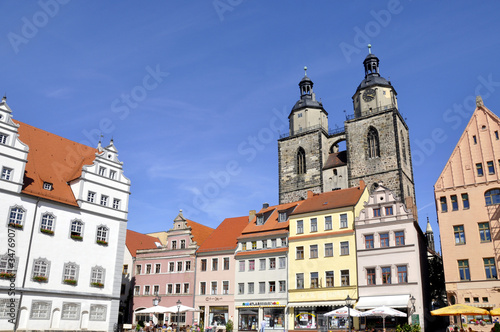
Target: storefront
x,y
218,316
251,314
311,316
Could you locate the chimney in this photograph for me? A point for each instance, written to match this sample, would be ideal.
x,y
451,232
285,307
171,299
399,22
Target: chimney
x,y
265,205
310,194
251,215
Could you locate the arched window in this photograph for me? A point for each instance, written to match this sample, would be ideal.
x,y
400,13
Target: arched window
x,y
373,143
301,161
403,146
492,196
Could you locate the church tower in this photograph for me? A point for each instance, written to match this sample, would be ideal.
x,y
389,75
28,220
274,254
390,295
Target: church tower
x,y
303,150
377,138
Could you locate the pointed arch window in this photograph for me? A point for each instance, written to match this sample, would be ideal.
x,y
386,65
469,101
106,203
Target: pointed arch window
x,y
301,161
373,143
403,146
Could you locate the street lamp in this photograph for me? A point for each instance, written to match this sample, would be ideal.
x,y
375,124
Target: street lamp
x,y
412,309
348,302
179,303
156,300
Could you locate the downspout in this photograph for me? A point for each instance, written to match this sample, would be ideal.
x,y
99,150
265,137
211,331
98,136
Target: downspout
x,y
26,266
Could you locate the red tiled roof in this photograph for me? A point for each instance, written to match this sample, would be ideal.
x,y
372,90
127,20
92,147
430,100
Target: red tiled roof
x,y
336,159
331,200
271,219
258,252
200,232
224,236
52,159
136,241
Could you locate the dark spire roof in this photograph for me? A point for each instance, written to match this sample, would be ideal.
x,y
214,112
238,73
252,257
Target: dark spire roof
x,y
307,96
372,75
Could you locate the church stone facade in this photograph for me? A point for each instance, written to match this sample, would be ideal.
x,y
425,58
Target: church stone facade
x,y
376,138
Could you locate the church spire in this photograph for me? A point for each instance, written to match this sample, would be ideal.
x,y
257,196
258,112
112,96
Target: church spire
x,y
429,234
371,63
306,87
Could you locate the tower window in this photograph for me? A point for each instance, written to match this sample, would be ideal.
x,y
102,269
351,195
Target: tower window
x,y
403,145
373,143
301,161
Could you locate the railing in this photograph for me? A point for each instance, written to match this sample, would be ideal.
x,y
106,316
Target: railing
x,y
304,130
373,111
336,131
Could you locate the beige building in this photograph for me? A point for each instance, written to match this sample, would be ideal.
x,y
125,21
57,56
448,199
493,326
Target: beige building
x,y
467,197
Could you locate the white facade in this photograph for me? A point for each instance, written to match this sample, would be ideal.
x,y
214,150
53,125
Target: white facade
x,y
68,255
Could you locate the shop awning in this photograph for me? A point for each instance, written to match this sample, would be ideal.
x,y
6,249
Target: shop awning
x,y
316,304
262,306
393,301
481,305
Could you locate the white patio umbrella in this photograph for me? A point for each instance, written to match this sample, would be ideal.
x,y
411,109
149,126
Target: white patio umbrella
x,y
157,309
180,308
342,312
383,312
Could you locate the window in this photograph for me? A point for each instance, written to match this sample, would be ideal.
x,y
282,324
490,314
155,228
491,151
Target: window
x,y
272,263
479,168
273,243
215,264
174,245
225,287
301,161
146,290
384,240
491,167
300,280
264,244
344,277
459,234
343,220
148,268
474,138
282,216
157,268
112,174
138,269
187,266
102,235
41,269
70,272
489,268
454,203
47,186
400,238
373,143
328,223
369,241
492,196
179,266
76,229
102,171
16,217
386,275
463,269
104,200
171,267
97,312
40,309
262,263
8,264
283,241
262,287
170,289
344,248
242,266
203,288
376,212
300,226
465,201
328,249
282,286
314,224
444,205
314,280
116,203
244,246
388,211
299,253
403,146
226,263
97,276
251,265
250,288
282,262
402,274
203,264
272,286
214,288
370,275
299,115
47,224
313,251
156,290
91,197
137,290
260,219
3,138
241,288
177,288
329,278
496,135
6,173
484,232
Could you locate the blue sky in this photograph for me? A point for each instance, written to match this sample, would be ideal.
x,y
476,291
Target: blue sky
x,y
191,91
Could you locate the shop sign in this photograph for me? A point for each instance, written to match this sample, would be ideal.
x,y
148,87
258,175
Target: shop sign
x,y
260,303
213,298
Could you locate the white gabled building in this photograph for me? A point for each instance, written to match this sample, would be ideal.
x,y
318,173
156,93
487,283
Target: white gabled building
x,y
63,221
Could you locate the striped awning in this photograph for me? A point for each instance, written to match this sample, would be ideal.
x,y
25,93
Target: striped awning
x,y
316,304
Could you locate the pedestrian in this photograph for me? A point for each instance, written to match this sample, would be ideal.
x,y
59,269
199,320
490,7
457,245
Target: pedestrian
x,y
262,326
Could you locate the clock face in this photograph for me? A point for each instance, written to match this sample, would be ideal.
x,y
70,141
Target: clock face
x,y
369,95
